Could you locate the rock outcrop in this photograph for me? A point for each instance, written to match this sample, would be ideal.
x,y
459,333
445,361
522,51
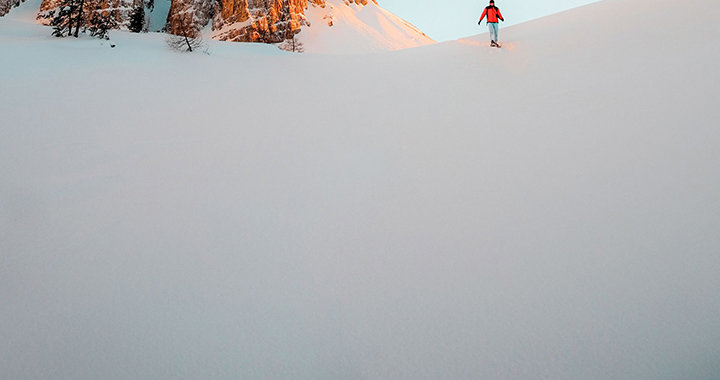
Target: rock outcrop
x,y
194,14
269,21
264,20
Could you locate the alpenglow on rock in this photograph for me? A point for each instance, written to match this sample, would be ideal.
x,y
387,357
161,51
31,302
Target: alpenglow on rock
x,y
270,21
265,20
327,26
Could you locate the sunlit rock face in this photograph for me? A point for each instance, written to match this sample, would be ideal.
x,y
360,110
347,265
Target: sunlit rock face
x,y
268,21
193,14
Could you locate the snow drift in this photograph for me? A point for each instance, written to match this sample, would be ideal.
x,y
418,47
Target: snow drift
x,y
545,211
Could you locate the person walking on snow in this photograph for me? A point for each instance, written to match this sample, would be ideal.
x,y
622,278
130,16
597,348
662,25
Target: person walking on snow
x,y
493,14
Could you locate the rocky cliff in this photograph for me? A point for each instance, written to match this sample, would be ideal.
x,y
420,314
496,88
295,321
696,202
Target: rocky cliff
x,y
260,20
193,14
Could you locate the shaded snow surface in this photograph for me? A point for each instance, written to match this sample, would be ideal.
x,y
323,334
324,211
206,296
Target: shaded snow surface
x,y
546,211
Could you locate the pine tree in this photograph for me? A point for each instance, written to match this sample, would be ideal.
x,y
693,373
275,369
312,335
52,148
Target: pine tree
x,y
73,16
62,18
137,18
79,18
100,23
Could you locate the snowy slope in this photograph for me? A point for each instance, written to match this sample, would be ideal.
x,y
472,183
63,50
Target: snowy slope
x,y
546,211
352,28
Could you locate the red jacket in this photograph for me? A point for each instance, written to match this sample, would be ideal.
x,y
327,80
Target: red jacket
x,y
492,13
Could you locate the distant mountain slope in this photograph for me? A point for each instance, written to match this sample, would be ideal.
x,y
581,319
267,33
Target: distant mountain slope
x,y
340,27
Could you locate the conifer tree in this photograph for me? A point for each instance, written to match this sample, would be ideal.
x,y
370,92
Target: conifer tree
x,y
62,18
100,23
137,18
79,17
73,16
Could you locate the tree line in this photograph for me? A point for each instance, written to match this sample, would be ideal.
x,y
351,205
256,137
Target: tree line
x,y
71,17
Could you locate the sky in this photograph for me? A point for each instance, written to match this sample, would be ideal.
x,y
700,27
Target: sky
x,y
449,20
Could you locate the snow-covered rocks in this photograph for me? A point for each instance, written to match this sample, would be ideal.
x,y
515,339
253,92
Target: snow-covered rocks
x,y
321,26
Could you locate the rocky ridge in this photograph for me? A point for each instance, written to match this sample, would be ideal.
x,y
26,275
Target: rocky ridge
x,y
269,21
265,21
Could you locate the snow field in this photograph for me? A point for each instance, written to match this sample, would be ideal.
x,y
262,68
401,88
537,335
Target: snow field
x,y
549,211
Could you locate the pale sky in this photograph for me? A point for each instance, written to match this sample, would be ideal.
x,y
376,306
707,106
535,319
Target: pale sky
x,y
452,19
